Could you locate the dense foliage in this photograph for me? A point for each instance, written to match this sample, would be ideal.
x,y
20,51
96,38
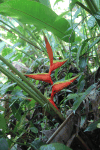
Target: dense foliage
x,y
27,118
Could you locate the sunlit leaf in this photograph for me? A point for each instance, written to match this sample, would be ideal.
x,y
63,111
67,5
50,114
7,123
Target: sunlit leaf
x,y
32,12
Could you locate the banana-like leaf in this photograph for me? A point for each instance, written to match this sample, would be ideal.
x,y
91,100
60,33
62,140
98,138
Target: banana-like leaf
x,y
32,12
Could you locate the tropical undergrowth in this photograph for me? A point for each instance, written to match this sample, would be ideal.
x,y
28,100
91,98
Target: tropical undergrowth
x,y
24,111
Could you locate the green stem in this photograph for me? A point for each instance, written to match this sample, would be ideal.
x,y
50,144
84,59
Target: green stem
x,y
38,94
26,88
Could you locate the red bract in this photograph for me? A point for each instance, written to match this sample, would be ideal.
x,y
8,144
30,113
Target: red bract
x,y
56,65
61,85
49,50
43,77
53,65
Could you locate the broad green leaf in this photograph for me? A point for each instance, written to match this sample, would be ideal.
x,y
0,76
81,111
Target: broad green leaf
x,y
34,129
61,15
92,126
55,146
73,96
79,100
3,144
31,12
2,123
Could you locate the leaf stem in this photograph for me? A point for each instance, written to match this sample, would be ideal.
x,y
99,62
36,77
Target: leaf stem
x,y
37,96
25,87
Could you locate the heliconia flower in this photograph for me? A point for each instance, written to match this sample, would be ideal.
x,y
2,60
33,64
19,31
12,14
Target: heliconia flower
x,y
52,102
41,76
58,86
